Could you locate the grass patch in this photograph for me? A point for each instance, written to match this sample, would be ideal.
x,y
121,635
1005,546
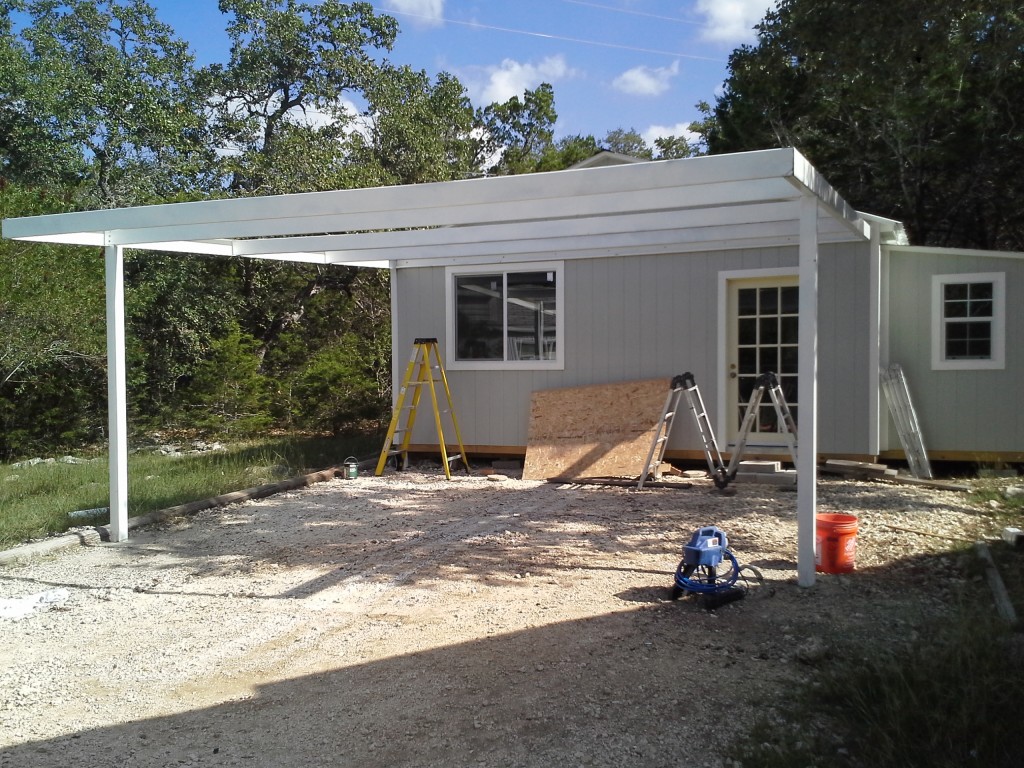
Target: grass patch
x,y
37,501
950,698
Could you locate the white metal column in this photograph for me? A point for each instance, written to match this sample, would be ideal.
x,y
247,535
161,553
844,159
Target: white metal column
x,y
807,439
117,418
874,339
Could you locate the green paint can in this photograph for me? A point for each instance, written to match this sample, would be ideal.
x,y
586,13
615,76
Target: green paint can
x,y
351,465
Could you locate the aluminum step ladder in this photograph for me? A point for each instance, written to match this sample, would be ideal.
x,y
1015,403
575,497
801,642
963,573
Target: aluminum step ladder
x,y
686,386
423,372
652,466
897,394
766,382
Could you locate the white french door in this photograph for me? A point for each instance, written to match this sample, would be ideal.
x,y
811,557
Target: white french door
x,y
762,336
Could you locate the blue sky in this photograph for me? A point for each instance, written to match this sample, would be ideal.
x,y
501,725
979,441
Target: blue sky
x,y
639,64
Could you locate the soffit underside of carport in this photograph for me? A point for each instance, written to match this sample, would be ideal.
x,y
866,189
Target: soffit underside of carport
x,y
696,204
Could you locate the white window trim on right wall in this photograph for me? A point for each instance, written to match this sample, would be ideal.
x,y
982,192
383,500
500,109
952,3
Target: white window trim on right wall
x,y
997,361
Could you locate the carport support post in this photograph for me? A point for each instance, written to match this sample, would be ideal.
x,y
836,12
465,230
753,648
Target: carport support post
x,y
117,411
807,432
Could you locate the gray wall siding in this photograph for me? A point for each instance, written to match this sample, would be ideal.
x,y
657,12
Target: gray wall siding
x,y
963,410
844,351
641,317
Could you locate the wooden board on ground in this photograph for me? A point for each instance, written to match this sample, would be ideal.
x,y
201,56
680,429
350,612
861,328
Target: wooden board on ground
x,y
598,430
859,470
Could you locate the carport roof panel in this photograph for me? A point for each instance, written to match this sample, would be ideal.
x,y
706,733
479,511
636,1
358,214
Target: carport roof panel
x,y
249,226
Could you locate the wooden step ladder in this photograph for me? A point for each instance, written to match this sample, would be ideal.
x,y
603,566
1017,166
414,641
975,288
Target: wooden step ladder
x,y
424,371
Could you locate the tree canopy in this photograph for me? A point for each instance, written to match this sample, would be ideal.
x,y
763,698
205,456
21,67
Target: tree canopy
x,y
101,105
912,115
911,112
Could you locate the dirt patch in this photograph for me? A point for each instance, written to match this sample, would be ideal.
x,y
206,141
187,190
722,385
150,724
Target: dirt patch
x,y
411,621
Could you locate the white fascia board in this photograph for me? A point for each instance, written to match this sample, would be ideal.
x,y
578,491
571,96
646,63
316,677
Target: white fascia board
x,y
476,213
937,251
367,264
566,227
672,249
407,206
323,259
11,230
203,247
663,240
304,258
891,231
806,176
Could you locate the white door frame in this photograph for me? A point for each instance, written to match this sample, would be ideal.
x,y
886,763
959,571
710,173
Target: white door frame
x,y
722,374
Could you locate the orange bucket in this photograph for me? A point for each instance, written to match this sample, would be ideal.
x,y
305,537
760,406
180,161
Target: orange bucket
x,y
835,543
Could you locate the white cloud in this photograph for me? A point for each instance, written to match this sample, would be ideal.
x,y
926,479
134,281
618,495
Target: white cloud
x,y
646,81
681,130
732,21
511,78
430,12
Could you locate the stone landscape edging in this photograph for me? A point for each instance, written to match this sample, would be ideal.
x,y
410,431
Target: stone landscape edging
x,y
101,533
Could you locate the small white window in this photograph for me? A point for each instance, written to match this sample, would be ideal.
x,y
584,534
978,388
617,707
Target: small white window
x,y
507,317
968,321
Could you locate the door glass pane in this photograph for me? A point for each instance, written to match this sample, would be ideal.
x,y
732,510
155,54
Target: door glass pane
x,y
767,341
790,327
790,300
478,317
531,315
747,302
746,387
748,331
788,385
748,360
789,362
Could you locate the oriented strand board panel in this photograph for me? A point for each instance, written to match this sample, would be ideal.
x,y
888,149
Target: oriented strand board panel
x,y
599,430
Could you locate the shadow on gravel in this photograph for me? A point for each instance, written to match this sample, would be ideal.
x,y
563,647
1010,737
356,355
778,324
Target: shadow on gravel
x,y
618,690
648,683
403,535
649,686
396,533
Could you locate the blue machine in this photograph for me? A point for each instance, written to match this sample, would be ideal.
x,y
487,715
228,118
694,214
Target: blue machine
x,y
708,567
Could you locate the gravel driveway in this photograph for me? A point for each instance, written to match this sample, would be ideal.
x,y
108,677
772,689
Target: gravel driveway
x,y
411,621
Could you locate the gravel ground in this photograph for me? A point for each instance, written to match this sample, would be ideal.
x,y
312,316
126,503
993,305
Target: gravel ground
x,y
411,621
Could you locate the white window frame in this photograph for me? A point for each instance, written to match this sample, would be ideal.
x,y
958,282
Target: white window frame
x,y
997,360
558,363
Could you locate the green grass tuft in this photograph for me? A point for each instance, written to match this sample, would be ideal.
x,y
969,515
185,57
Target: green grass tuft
x,y
949,699
36,501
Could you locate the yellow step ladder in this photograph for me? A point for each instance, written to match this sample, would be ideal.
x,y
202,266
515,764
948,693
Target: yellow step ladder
x,y
420,374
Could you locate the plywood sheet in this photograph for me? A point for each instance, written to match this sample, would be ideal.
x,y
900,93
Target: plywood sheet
x,y
598,430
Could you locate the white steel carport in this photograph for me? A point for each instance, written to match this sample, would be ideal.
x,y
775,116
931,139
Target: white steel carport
x,y
772,197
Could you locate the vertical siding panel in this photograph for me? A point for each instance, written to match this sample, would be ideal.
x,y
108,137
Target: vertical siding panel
x,y
963,410
648,328
648,316
620,317
828,350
